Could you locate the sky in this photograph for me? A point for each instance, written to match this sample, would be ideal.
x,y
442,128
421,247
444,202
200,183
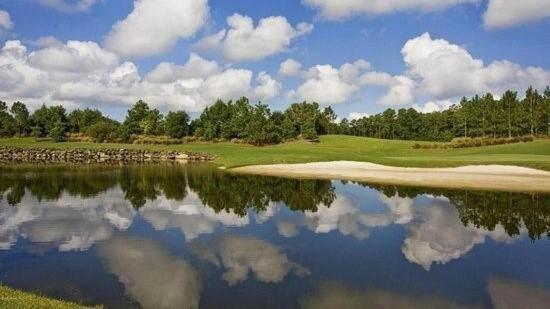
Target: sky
x,y
358,56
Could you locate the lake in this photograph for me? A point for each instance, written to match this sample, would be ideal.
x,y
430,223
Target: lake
x,y
172,236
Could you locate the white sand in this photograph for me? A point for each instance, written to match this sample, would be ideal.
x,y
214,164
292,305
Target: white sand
x,y
495,177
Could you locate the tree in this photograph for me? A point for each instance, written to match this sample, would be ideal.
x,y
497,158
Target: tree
x,y
21,118
57,131
509,100
176,124
261,130
547,109
80,120
103,130
7,123
133,122
153,123
302,114
45,119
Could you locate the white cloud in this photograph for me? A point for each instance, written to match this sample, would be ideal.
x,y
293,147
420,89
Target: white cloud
x,y
150,275
290,67
78,73
357,115
74,57
69,6
5,21
196,67
244,42
328,85
155,26
240,255
508,13
444,70
434,106
341,9
267,87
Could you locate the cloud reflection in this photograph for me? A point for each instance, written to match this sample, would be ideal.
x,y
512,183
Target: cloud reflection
x,y
191,216
241,255
150,275
332,295
69,223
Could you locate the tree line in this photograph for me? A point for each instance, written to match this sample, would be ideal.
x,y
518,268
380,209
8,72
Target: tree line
x,y
479,116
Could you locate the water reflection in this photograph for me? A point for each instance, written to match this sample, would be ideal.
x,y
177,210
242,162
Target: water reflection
x,y
240,255
150,275
165,234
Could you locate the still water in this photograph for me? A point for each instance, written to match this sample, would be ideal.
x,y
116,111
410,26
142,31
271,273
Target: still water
x,y
195,236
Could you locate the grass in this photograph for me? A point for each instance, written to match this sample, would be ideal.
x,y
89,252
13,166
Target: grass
x,y
10,298
396,153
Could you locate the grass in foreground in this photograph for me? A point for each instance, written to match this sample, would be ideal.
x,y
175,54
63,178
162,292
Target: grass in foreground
x,y
10,298
337,147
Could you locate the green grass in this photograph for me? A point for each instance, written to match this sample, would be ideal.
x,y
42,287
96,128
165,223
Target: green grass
x,y
396,153
10,298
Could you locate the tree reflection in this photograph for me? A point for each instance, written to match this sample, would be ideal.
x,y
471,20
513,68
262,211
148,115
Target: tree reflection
x,y
217,189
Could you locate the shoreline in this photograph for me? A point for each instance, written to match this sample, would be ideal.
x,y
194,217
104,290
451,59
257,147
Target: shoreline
x,y
488,177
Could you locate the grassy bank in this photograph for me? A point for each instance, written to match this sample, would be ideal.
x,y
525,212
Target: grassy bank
x,y
10,298
397,153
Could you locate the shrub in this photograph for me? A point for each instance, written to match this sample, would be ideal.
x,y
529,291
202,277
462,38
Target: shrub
x,y
155,140
57,132
102,131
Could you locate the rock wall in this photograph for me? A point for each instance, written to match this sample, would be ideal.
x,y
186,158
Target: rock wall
x,y
89,156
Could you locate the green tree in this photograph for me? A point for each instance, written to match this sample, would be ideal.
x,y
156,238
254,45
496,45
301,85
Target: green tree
x,y
7,123
103,130
79,120
58,131
176,124
21,117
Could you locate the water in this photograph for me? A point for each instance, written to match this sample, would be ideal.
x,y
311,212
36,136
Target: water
x,y
180,237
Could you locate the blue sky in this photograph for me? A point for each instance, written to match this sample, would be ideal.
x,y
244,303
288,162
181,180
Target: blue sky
x,y
458,32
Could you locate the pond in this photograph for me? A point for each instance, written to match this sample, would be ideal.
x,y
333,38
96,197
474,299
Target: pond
x,y
172,236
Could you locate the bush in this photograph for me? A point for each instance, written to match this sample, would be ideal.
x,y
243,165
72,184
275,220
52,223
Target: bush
x,y
57,132
102,131
79,138
155,140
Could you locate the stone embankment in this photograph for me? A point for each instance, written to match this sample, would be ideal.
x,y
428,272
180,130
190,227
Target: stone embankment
x,y
90,156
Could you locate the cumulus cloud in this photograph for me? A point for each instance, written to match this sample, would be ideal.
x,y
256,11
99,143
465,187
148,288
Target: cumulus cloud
x,y
68,224
509,13
245,42
341,9
241,255
69,6
82,72
155,26
434,106
267,87
150,275
328,85
444,70
196,67
357,115
5,21
290,67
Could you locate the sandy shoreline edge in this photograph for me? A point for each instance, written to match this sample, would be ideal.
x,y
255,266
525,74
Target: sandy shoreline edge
x,y
491,177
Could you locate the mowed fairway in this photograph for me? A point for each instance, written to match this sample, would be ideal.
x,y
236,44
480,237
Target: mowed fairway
x,y
333,148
